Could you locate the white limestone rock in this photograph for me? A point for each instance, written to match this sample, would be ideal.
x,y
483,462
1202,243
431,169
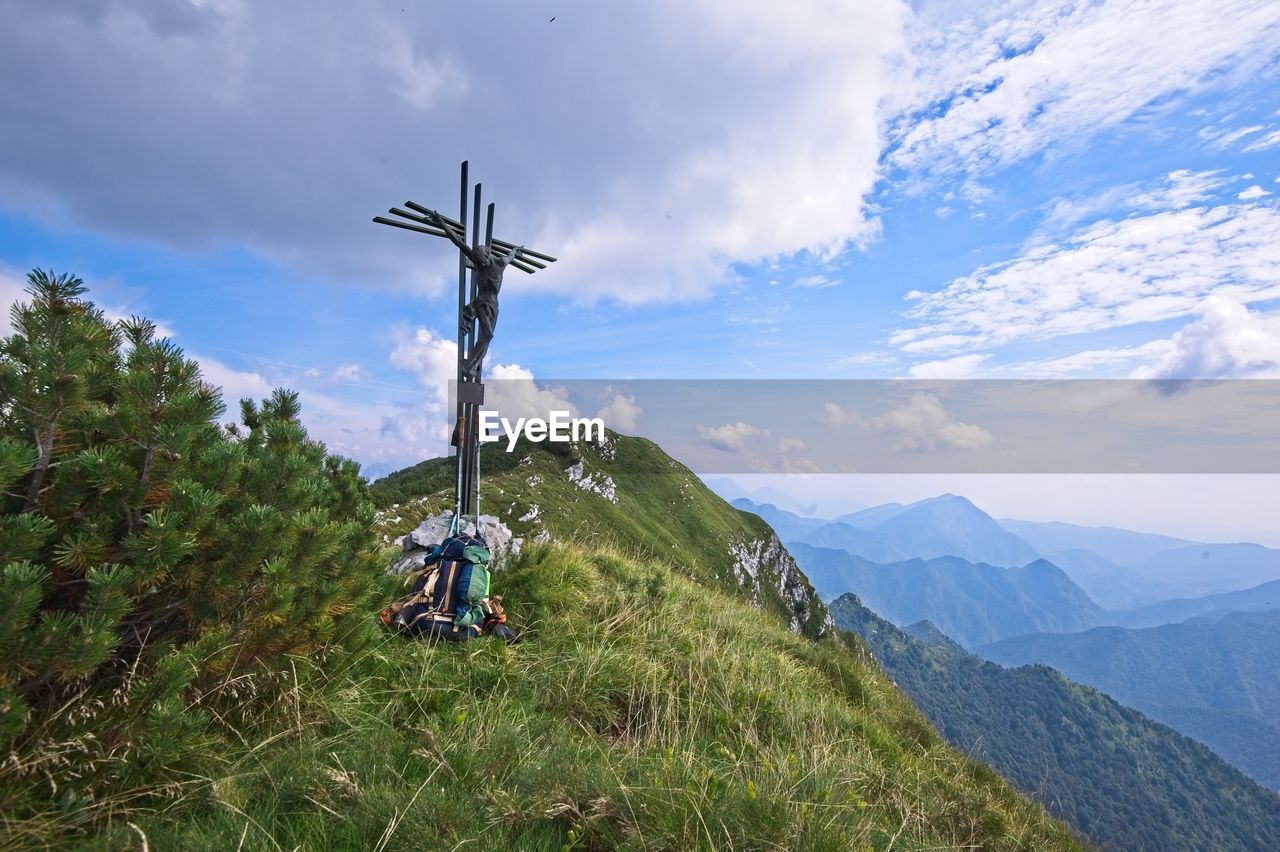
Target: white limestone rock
x,y
410,562
432,530
596,483
765,559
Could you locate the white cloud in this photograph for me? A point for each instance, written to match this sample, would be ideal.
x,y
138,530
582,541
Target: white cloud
x,y
384,436
511,390
834,415
704,135
1251,193
11,293
341,374
815,281
1110,274
1180,188
235,384
868,359
1037,74
1228,341
1225,138
1271,140
790,445
430,357
1091,363
959,367
925,424
757,448
731,437
621,413
115,305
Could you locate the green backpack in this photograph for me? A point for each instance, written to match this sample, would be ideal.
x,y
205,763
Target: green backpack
x,y
473,586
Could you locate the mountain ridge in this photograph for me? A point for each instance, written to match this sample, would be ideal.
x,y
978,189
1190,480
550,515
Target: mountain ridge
x,y
1215,681
1124,780
965,600
946,525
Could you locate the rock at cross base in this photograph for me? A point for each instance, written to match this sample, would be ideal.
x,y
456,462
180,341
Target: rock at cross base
x,y
433,530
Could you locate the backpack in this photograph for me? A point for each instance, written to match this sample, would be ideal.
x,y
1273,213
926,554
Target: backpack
x,y
450,592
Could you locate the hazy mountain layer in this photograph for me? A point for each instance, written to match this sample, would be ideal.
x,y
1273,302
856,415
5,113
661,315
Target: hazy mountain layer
x,y
1125,781
967,601
1218,682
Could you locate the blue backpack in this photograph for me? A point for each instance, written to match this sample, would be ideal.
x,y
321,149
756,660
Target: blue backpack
x,y
450,592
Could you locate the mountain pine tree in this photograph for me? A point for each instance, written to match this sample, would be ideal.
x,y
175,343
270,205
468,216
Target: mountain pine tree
x,y
152,561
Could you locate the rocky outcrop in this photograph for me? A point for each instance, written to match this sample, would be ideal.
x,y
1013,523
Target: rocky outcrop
x,y
763,566
596,483
431,531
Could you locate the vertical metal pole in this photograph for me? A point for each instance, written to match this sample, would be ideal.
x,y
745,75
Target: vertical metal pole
x,y
488,241
475,243
462,342
471,433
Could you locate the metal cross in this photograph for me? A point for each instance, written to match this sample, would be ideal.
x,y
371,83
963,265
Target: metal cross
x,y
471,311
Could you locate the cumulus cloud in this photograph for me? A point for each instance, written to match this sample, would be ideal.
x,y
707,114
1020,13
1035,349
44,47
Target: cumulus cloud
x,y
1227,341
621,413
431,358
757,448
836,416
924,423
511,391
1251,193
619,128
787,446
731,437
382,436
995,90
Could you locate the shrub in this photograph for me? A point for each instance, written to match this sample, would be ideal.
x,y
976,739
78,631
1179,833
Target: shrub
x,y
156,568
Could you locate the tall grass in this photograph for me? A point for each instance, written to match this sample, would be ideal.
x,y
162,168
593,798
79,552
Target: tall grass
x,y
642,711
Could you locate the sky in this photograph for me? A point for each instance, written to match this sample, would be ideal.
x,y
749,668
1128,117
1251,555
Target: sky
x,y
827,189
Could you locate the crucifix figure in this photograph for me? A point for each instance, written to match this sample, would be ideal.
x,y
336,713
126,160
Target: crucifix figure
x,y
487,267
487,259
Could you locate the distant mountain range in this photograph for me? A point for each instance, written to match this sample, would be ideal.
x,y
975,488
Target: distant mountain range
x,y
941,526
1210,672
973,603
1122,569
1217,681
1123,780
1207,608
1118,569
1113,544
728,490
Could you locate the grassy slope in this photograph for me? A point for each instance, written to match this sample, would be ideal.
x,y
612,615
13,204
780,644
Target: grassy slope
x,y
644,711
662,511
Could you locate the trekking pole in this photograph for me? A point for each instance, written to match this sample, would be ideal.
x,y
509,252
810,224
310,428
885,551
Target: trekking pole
x,y
477,486
462,348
